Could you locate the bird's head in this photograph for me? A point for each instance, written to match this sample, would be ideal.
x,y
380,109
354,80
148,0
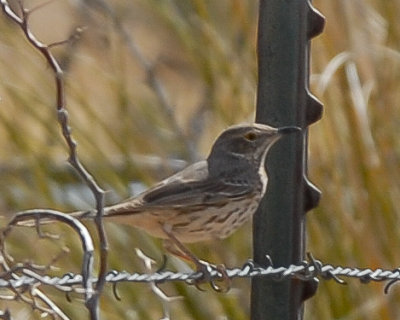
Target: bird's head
x,y
249,142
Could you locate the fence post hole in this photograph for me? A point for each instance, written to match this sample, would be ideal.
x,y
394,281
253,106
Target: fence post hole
x,y
283,98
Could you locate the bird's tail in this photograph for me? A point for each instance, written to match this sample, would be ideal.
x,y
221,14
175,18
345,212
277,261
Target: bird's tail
x,y
31,218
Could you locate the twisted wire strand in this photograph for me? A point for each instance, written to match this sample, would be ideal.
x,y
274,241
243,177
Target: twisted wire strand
x,y
304,271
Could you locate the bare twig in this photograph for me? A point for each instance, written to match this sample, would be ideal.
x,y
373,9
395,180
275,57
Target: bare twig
x,y
53,307
63,119
165,300
75,224
75,36
87,263
32,301
5,315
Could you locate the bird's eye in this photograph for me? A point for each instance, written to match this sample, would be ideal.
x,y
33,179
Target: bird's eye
x,y
250,136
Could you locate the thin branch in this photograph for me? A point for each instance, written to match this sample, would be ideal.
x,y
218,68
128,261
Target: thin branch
x,y
5,315
35,295
165,299
53,307
63,119
75,36
87,263
75,224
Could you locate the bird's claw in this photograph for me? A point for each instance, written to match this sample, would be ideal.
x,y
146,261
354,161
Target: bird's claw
x,y
215,275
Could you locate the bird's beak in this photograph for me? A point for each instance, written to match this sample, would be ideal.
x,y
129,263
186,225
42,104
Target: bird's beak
x,y
272,135
287,130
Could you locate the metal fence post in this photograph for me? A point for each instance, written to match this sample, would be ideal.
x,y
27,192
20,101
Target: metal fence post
x,y
284,31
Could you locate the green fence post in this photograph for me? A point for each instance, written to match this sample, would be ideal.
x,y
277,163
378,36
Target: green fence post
x,y
284,31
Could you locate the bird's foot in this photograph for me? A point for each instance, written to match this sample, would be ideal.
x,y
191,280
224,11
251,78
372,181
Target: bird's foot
x,y
215,275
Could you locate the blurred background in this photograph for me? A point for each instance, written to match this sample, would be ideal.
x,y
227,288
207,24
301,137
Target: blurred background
x,y
150,84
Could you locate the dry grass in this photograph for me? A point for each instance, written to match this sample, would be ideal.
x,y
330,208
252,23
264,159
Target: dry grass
x,y
204,55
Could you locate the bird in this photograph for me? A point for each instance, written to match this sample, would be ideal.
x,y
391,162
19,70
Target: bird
x,y
207,200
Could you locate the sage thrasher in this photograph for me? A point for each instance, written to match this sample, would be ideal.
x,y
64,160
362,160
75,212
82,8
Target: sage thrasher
x,y
209,199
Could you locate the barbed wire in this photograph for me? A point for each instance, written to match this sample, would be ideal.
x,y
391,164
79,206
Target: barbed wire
x,y
307,270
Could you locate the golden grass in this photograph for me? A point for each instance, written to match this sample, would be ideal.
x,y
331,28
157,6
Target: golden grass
x,y
204,55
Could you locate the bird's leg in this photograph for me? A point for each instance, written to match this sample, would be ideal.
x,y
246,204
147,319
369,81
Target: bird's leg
x,y
176,247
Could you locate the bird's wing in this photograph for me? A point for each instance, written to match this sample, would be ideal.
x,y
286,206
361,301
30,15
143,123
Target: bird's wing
x,y
189,188
191,193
